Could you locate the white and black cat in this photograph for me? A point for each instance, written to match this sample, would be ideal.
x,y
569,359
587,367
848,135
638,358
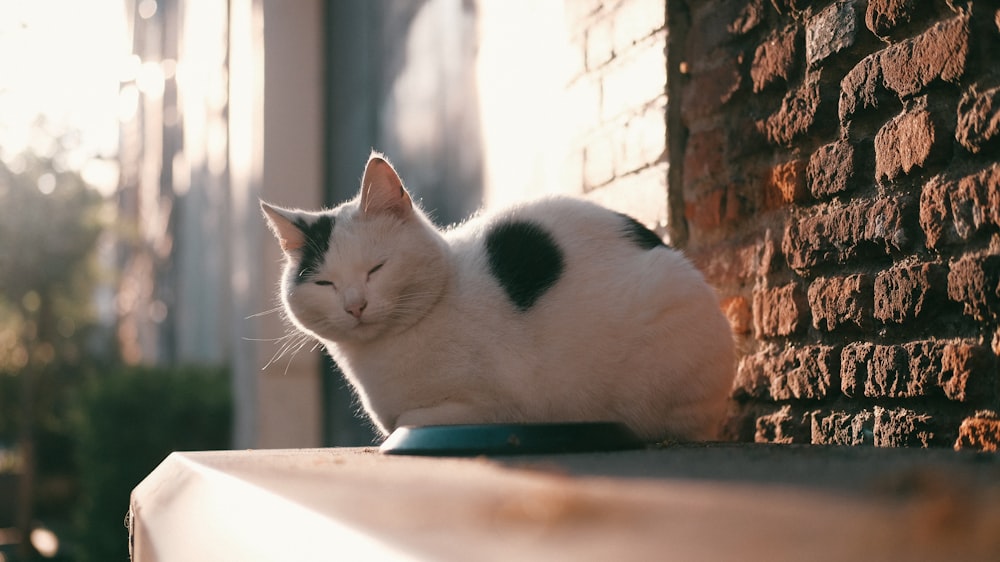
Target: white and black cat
x,y
554,310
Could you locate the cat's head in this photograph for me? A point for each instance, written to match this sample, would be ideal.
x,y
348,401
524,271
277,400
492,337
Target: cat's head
x,y
371,266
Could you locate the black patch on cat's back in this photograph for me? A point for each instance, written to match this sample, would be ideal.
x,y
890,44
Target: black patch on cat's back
x,y
524,259
637,233
317,243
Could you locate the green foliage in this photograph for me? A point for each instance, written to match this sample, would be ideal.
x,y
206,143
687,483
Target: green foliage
x,y
127,423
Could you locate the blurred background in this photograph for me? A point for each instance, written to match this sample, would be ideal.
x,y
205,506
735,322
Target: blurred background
x,y
138,310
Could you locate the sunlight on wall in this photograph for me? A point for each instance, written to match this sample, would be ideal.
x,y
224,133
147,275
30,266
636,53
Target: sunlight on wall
x,y
523,68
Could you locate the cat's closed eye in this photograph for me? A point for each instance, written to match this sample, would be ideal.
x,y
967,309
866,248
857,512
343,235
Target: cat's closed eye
x,y
325,283
374,269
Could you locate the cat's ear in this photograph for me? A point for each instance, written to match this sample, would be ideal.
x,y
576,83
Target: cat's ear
x,y
382,190
282,223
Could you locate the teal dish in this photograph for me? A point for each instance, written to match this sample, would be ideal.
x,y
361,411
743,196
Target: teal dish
x,y
510,439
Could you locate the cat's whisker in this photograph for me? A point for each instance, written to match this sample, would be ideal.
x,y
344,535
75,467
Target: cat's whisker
x,y
278,308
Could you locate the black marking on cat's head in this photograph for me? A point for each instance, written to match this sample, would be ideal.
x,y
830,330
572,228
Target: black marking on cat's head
x,y
524,259
640,235
317,243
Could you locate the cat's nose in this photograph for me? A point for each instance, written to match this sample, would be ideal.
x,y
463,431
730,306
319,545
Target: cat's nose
x,y
356,309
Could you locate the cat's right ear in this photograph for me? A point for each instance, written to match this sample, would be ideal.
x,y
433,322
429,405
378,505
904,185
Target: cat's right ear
x,y
282,224
382,191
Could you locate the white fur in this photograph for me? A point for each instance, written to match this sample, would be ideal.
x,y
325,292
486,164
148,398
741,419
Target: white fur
x,y
626,334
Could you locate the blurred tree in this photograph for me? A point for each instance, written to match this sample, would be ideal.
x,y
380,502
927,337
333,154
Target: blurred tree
x,y
49,228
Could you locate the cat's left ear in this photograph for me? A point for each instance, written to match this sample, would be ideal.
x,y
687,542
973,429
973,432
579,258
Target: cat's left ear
x,y
284,228
382,190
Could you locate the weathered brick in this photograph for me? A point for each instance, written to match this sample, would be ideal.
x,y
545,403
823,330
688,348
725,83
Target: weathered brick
x,y
779,311
709,90
790,6
968,372
952,211
935,212
901,427
831,31
748,18
940,53
907,291
704,162
837,301
978,118
913,139
753,377
862,88
831,169
836,233
797,116
891,371
805,373
776,58
707,211
974,281
883,16
816,373
842,428
737,311
787,184
980,432
855,364
783,426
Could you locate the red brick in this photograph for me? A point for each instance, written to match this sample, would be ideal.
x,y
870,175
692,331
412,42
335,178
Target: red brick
x,y
809,372
831,31
779,311
901,427
738,312
776,58
978,118
748,18
787,183
707,212
883,16
855,364
953,211
783,426
816,374
842,428
753,377
980,432
709,90
911,140
968,372
704,162
940,53
837,301
891,371
903,371
836,233
796,117
905,292
974,281
831,169
862,89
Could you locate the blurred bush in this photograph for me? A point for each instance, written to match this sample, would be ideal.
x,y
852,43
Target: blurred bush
x,y
127,422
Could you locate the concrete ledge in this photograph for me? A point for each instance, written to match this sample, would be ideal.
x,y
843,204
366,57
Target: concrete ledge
x,y
716,502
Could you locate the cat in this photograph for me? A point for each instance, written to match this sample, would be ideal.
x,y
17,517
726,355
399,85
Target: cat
x,y
555,310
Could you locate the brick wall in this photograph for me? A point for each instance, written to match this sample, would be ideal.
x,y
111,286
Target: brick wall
x,y
618,91
841,188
